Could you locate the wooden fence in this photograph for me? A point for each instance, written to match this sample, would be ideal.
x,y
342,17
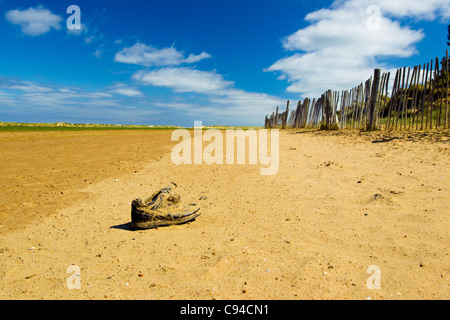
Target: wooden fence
x,y
418,100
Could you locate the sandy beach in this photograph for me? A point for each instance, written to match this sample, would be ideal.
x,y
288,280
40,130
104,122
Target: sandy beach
x,y
340,203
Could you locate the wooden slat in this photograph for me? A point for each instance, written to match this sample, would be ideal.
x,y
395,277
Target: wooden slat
x,y
447,115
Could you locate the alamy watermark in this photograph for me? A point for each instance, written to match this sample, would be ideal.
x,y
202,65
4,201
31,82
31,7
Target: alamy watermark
x,y
74,280
74,21
374,281
374,20
213,153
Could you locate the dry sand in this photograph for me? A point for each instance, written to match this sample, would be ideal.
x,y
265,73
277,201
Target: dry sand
x,y
338,205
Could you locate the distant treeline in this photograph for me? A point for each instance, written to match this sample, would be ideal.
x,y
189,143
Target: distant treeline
x,y
63,126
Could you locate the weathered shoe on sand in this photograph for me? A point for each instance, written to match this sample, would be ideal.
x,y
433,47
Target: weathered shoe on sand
x,y
161,209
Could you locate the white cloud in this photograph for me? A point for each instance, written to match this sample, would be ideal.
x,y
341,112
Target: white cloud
x,y
232,107
195,58
34,21
64,90
98,53
28,86
424,10
129,92
42,91
248,106
339,49
183,106
184,80
212,97
149,56
218,101
77,32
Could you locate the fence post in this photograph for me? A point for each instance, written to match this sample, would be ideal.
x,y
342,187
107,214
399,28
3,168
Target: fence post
x,y
373,100
327,105
276,118
447,115
283,126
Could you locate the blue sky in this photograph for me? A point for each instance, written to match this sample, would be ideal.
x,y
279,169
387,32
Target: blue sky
x,y
221,62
